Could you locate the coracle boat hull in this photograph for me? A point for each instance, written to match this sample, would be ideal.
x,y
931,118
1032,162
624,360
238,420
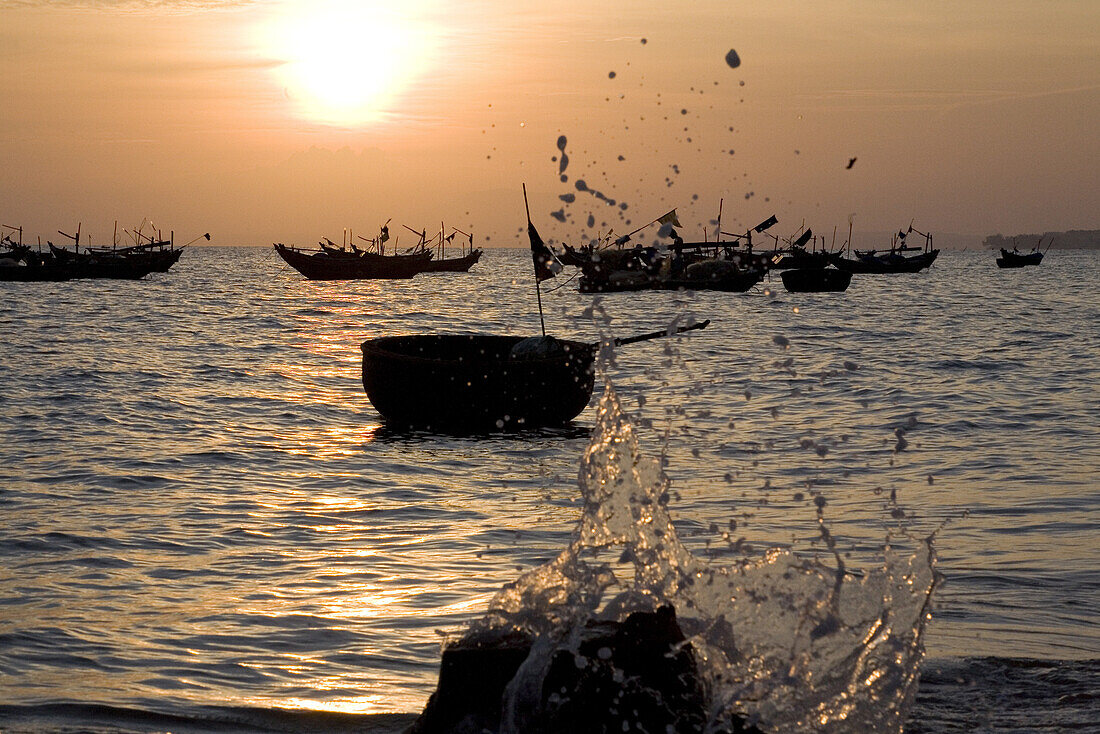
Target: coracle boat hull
x,y
816,280
471,383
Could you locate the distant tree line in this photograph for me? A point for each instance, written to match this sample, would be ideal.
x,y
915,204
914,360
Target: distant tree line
x,y
1074,239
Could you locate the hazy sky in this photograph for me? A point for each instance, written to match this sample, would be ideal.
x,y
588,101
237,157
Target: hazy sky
x,y
288,121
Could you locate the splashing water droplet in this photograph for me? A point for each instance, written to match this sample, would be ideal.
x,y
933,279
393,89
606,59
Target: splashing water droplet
x,y
795,645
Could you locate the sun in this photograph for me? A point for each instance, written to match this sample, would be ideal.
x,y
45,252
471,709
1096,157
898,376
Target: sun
x,y
346,62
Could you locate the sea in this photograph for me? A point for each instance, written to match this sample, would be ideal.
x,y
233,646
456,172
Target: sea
x,y
206,527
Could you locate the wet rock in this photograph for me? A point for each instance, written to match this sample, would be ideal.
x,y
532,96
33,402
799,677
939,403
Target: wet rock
x,y
638,675
472,676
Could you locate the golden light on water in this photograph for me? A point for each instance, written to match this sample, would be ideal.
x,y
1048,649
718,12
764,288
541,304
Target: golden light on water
x,y
345,62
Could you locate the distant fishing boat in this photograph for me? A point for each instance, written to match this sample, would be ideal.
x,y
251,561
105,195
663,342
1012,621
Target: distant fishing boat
x,y
892,260
1017,259
721,273
326,264
795,255
160,253
724,265
440,263
59,263
617,270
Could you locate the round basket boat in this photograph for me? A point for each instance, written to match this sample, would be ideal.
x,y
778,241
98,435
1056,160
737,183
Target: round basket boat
x,y
816,280
476,382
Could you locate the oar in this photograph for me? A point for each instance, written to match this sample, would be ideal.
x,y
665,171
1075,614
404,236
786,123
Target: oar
x,y
659,334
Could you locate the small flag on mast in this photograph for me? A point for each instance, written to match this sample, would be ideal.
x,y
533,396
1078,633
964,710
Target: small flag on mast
x,y
546,265
770,221
804,238
670,218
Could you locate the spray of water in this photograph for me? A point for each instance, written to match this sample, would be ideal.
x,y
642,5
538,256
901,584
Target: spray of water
x,y
790,643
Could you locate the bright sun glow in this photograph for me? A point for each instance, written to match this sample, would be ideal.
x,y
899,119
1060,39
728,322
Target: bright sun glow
x,y
346,61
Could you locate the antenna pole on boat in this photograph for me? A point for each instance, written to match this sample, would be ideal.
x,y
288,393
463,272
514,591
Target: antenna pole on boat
x,y
718,237
538,291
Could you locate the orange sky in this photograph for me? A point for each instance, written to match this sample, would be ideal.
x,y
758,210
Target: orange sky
x,y
288,121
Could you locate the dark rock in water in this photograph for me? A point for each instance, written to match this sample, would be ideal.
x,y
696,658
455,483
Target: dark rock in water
x,y
472,676
636,675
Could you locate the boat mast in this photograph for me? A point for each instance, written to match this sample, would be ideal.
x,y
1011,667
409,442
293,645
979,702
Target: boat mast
x,y
718,236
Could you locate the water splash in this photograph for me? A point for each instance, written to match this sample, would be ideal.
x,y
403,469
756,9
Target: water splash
x,y
790,643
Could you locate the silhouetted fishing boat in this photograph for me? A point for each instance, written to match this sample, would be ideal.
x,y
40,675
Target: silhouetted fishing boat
x,y
161,254
612,270
61,264
120,263
440,263
721,265
325,264
892,260
482,382
1017,259
799,257
460,264
715,274
795,255
816,280
725,265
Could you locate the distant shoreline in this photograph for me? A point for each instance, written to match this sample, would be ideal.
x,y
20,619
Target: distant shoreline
x,y
1074,239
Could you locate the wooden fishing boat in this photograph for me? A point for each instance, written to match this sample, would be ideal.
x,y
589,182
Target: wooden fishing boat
x,y
892,260
120,263
717,266
482,382
351,265
100,265
453,264
796,255
613,270
799,257
1019,259
159,259
12,271
714,275
816,280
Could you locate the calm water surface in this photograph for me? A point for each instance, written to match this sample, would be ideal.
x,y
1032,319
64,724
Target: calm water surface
x,y
205,527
